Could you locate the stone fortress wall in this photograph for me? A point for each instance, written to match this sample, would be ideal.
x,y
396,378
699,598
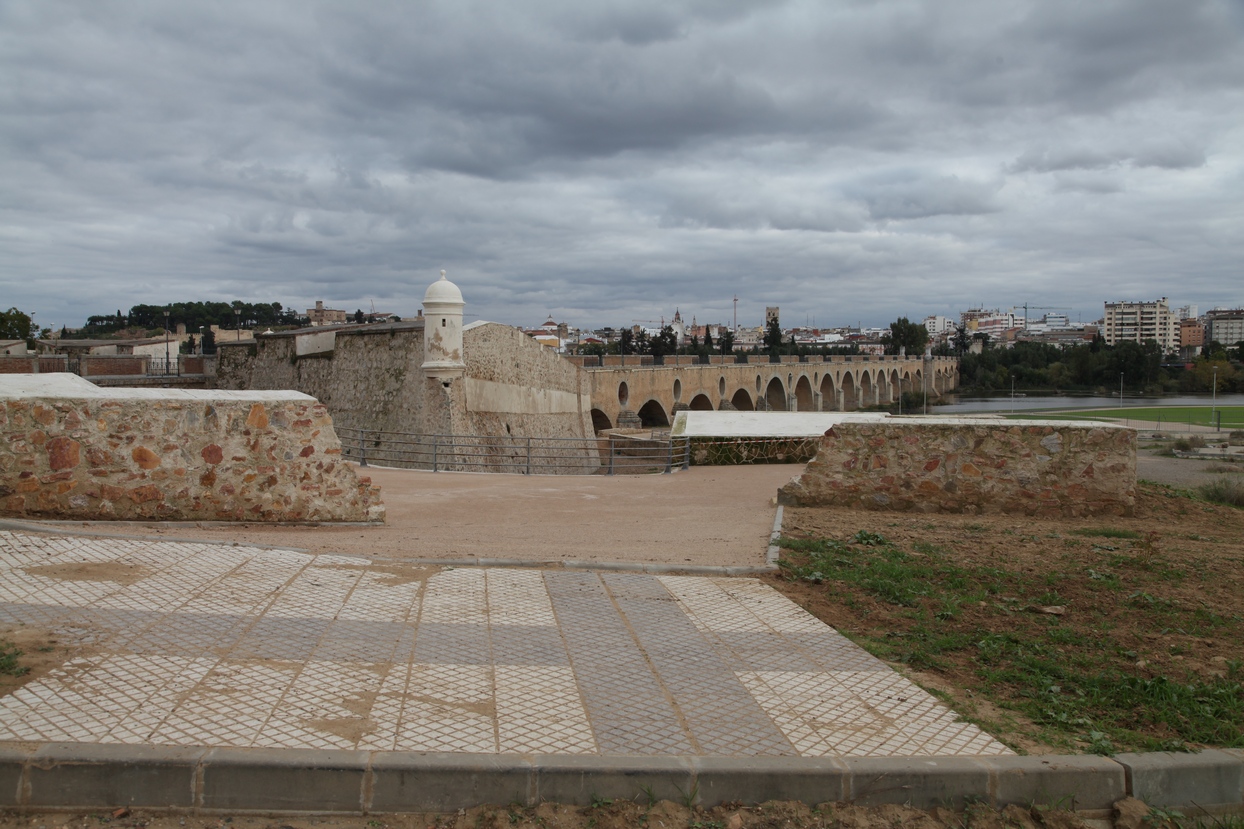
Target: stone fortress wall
x,y
488,385
972,465
75,451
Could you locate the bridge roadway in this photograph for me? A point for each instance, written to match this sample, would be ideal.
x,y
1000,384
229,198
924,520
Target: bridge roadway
x,y
628,392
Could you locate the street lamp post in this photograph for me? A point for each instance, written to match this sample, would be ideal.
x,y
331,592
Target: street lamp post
x,y
237,315
1213,408
166,357
200,340
1120,390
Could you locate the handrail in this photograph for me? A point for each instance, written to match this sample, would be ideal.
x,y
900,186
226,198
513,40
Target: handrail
x,y
605,454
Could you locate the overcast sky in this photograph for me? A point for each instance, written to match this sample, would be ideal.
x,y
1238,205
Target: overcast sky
x,y
610,161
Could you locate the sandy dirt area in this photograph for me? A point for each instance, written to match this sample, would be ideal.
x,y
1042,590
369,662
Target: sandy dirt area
x,y
607,814
706,515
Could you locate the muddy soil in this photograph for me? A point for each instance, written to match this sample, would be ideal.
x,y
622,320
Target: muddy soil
x,y
612,815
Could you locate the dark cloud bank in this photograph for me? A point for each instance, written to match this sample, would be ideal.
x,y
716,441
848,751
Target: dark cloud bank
x,y
848,161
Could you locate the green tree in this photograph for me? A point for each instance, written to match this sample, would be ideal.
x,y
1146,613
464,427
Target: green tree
x,y
15,325
663,343
905,337
773,337
708,342
726,343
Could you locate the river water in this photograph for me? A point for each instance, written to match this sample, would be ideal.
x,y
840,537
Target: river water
x,y
1004,404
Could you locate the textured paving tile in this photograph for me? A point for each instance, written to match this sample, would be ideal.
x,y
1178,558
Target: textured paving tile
x,y
195,644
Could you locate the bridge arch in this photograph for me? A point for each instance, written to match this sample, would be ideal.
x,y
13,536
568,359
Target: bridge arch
x,y
896,385
804,401
600,421
883,387
701,403
652,415
829,394
850,400
742,401
866,389
775,395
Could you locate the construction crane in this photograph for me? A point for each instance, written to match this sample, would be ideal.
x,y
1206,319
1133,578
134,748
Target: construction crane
x,y
662,321
1026,306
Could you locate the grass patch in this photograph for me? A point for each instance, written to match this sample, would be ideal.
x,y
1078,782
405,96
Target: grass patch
x,y
1232,416
1049,644
1229,491
1105,532
8,659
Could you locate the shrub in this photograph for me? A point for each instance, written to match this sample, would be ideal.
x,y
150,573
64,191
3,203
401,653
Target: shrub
x,y
1225,491
1189,443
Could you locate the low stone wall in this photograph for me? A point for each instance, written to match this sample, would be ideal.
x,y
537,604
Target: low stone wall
x,y
72,450
969,465
725,451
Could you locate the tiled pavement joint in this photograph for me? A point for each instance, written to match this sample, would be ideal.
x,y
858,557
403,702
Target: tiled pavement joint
x,y
79,775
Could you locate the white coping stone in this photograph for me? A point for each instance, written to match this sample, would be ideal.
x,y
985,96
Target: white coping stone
x,y
814,424
694,424
66,385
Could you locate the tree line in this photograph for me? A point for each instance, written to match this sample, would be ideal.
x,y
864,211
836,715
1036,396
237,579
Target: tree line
x,y
1096,366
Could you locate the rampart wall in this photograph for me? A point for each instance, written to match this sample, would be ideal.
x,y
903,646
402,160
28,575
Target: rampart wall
x,y
73,450
969,465
370,377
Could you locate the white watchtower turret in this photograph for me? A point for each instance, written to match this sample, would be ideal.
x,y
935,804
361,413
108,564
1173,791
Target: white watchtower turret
x,y
442,332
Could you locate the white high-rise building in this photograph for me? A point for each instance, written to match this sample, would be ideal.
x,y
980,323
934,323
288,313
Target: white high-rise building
x,y
1139,321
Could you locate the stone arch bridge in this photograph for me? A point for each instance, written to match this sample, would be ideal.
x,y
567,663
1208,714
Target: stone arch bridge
x,y
648,395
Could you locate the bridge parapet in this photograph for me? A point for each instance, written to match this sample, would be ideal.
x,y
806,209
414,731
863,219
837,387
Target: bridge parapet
x,y
815,384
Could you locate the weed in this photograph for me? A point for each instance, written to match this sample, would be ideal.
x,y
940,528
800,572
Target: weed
x,y
649,794
1229,491
1189,443
8,659
1099,743
690,797
600,802
1105,532
866,539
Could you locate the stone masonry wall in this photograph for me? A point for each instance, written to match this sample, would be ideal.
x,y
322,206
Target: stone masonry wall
x,y
1043,468
176,455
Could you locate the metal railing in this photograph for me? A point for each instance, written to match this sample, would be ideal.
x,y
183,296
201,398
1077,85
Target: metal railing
x,y
158,365
603,455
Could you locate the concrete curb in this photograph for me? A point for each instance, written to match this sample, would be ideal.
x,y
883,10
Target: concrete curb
x,y
80,775
774,551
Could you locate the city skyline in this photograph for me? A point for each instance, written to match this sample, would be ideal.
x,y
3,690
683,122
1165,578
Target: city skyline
x,y
856,162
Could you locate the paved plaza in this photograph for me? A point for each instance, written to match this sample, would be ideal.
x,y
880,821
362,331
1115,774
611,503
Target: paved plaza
x,y
194,644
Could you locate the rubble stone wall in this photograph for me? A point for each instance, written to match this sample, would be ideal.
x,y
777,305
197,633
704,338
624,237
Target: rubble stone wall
x,y
145,454
1042,468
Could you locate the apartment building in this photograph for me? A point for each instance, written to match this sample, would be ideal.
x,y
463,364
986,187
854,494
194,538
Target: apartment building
x,y
1139,321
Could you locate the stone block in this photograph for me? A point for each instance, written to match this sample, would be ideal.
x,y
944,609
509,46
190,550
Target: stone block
x,y
417,782
1208,778
303,780
758,779
1080,782
580,780
921,782
81,775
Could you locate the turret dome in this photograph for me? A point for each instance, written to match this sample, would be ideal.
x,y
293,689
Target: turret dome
x,y
442,290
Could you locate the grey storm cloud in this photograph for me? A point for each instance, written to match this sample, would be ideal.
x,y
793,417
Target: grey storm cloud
x,y
852,161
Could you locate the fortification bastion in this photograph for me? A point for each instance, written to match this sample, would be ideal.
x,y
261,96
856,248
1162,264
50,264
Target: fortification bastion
x,y
73,450
972,465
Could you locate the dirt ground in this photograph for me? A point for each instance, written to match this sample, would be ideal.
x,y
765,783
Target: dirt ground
x,y
1154,595
706,515
1129,814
